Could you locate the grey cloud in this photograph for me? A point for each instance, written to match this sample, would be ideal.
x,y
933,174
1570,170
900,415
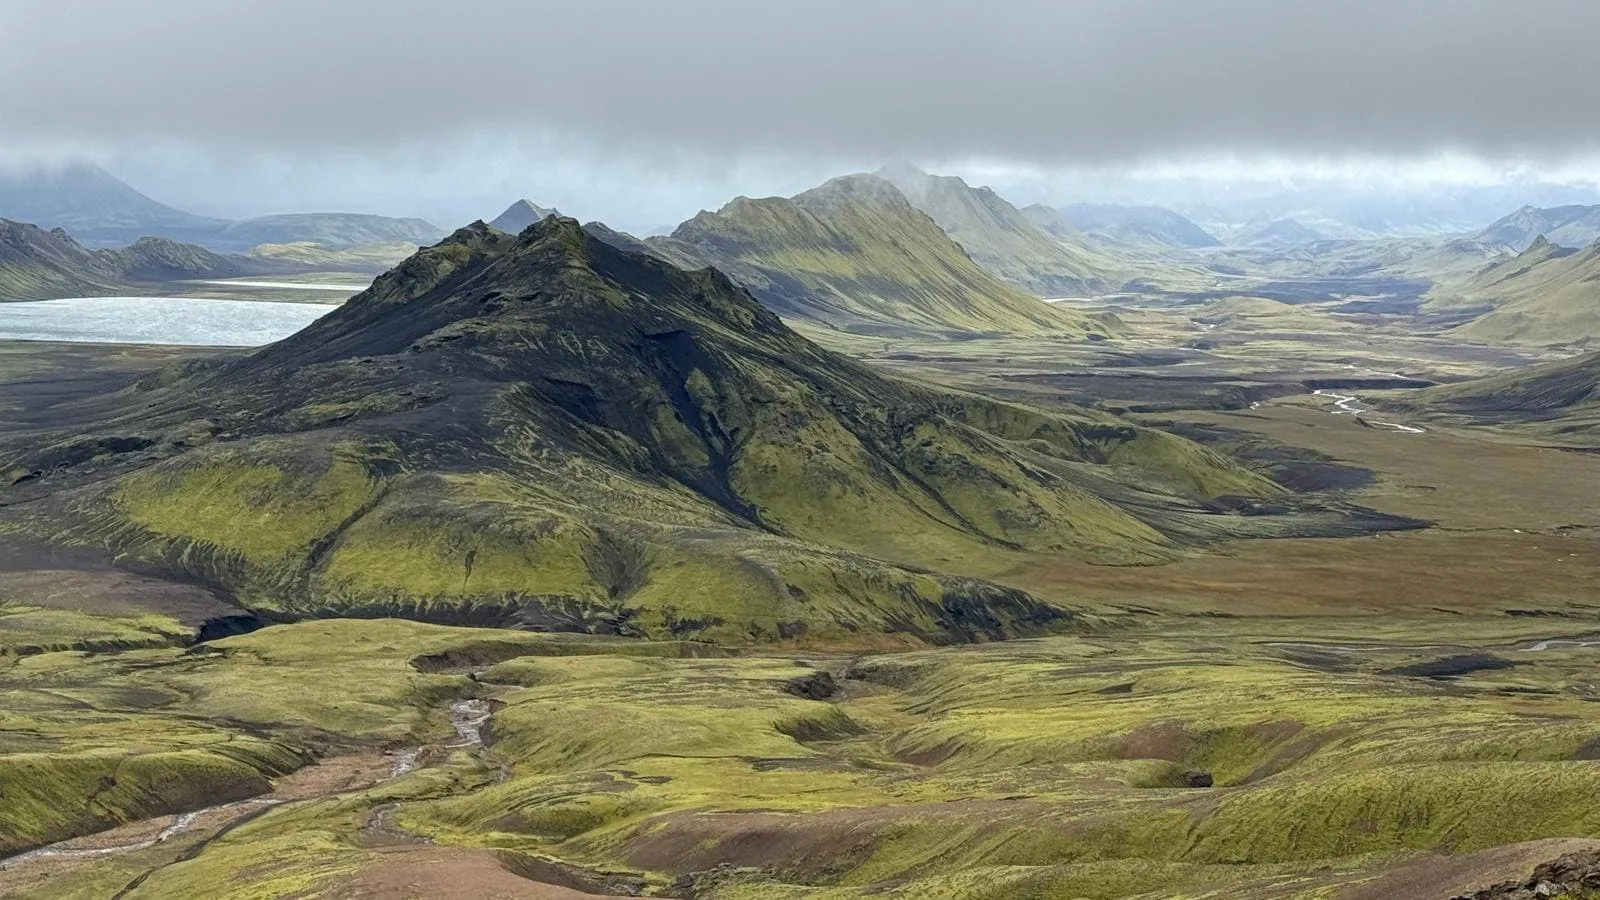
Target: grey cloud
x,y
1026,80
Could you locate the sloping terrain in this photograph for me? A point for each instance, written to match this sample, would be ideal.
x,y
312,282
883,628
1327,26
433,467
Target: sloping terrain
x,y
1000,238
547,431
1547,295
1563,385
1566,226
367,258
1559,400
855,254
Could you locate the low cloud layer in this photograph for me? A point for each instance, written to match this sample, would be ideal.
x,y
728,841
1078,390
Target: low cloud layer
x,y
1026,80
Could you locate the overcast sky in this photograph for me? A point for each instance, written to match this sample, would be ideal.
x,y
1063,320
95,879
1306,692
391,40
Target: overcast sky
x,y
642,111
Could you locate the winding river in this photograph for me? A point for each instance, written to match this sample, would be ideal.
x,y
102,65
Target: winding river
x,y
1348,404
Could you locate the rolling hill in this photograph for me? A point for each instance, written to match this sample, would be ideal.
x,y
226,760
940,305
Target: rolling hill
x,y
855,254
1000,238
329,230
546,431
1566,226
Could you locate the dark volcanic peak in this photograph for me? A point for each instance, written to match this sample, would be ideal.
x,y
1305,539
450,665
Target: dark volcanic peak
x,y
481,288
544,429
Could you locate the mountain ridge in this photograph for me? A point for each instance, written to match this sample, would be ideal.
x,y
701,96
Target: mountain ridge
x,y
999,237
543,430
855,254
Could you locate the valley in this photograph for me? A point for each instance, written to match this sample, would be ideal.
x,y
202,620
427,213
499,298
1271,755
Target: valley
x,y
805,551
1299,654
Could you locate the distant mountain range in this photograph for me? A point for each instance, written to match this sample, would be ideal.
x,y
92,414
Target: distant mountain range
x,y
1567,226
99,210
1275,233
1134,225
39,264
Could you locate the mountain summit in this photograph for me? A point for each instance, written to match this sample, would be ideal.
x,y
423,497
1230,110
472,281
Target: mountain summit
x,y
520,215
544,430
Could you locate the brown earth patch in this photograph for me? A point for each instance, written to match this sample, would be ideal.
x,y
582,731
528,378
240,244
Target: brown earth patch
x,y
1435,877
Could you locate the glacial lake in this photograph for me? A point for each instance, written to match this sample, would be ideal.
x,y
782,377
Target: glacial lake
x,y
157,320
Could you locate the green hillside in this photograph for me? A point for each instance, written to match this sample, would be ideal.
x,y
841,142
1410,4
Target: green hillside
x,y
855,254
1546,295
1000,238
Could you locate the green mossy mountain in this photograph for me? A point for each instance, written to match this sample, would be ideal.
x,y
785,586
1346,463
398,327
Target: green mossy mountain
x,y
545,431
1548,294
1000,238
855,254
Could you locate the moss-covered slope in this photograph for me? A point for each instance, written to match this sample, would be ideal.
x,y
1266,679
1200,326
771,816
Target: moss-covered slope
x,y
1001,239
855,254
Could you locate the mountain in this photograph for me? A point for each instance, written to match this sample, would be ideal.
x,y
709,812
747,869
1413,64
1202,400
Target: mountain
x,y
328,230
93,206
999,237
520,215
1548,294
545,431
1567,226
101,211
37,265
855,254
1136,225
1278,233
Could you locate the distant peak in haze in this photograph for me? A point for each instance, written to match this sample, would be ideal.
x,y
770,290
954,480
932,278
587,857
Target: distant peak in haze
x,y
519,215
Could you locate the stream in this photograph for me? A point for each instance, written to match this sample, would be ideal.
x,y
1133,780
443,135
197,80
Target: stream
x,y
1347,404
467,717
